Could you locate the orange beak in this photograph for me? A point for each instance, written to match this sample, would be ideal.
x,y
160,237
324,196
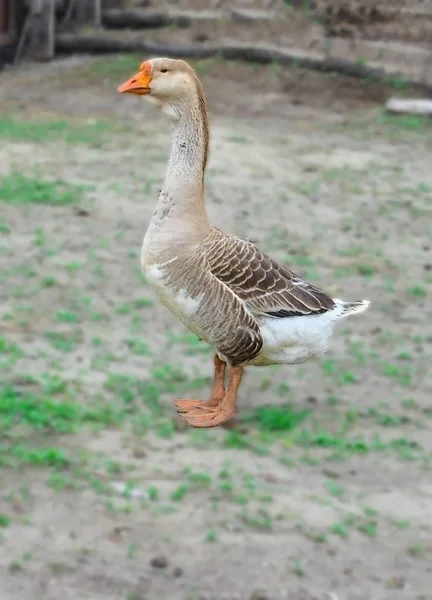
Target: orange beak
x,y
140,83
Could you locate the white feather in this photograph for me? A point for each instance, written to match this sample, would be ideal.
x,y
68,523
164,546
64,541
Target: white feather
x,y
294,340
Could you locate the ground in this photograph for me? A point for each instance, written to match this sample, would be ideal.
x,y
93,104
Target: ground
x,y
323,488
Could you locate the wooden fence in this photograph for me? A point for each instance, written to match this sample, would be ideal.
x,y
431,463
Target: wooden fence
x,y
31,25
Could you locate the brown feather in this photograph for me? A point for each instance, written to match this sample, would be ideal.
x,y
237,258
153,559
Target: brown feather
x,y
264,286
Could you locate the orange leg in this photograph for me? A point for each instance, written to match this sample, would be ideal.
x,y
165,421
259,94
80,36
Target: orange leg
x,y
210,416
217,394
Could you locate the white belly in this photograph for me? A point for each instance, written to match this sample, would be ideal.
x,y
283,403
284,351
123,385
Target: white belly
x,y
179,302
293,340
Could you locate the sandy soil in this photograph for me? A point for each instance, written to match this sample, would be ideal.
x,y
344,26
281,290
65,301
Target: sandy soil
x,y
325,494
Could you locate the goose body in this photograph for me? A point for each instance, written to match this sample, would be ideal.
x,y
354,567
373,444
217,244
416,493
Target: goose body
x,y
286,339
233,296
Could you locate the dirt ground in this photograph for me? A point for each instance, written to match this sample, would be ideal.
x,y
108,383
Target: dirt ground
x,y
323,490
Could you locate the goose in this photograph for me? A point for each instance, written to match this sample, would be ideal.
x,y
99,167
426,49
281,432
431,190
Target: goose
x,y
249,308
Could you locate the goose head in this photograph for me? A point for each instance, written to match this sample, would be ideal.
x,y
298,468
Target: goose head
x,y
168,83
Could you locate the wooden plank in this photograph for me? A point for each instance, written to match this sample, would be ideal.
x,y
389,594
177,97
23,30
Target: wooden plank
x,y
138,19
410,106
260,53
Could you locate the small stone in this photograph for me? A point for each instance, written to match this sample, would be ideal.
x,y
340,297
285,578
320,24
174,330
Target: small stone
x,y
159,562
177,572
330,473
81,212
397,582
200,38
259,595
138,452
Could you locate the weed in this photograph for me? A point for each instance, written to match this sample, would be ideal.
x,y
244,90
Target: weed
x,y
261,520
211,535
9,351
417,291
199,479
59,481
334,488
298,568
138,346
416,550
131,550
4,520
368,527
179,493
279,418
67,316
401,523
153,493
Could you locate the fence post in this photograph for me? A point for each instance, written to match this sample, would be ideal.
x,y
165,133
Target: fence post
x,y
42,29
89,12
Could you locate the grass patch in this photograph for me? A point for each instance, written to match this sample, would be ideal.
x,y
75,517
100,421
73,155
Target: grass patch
x,y
4,520
122,66
20,189
39,411
92,132
26,455
414,123
64,342
279,418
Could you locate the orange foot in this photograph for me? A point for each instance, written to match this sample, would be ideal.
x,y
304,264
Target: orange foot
x,y
184,406
208,416
222,404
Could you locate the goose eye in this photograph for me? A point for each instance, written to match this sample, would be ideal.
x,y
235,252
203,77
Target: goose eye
x,y
164,70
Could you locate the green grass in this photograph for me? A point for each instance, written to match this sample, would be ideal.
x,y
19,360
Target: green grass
x,y
279,418
64,342
397,128
92,132
179,493
411,123
39,411
23,454
4,520
48,402
10,352
121,66
20,189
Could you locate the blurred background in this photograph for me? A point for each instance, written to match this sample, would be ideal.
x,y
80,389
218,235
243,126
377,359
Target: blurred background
x,y
321,153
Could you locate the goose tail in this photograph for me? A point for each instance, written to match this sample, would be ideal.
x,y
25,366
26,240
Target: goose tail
x,y
346,309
